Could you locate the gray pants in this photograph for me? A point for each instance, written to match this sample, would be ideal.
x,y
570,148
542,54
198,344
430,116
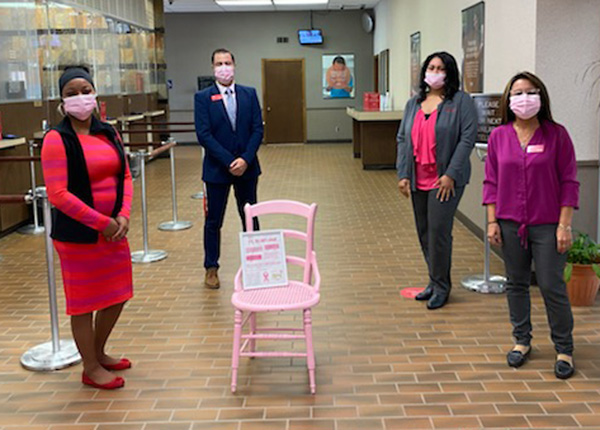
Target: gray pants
x,y
549,267
434,221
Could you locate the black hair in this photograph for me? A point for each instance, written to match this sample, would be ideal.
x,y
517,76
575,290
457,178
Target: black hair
x,y
452,81
221,51
75,72
340,60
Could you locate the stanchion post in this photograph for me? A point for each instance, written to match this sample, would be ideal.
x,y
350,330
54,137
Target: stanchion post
x,y
56,354
174,225
486,283
34,228
199,195
146,255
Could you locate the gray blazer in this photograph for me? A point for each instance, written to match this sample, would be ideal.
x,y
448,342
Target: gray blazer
x,y
455,134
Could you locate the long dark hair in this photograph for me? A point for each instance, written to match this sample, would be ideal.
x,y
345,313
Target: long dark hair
x,y
545,114
452,81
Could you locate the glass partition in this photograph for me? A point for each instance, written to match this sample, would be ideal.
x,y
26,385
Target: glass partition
x,y
19,62
37,42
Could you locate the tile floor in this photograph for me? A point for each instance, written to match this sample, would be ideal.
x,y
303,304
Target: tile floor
x,y
383,362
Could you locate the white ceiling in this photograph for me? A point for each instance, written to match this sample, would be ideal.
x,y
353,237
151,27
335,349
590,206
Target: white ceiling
x,y
211,6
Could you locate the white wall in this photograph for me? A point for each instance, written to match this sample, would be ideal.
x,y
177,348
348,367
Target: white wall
x,y
568,41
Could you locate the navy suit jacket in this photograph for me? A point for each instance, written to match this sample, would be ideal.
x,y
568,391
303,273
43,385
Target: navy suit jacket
x,y
221,143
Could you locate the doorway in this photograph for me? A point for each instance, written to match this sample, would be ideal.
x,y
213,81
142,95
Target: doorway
x,y
284,109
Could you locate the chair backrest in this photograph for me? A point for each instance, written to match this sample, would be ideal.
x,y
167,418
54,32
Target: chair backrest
x,y
289,207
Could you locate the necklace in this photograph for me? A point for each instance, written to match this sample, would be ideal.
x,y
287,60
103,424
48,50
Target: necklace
x,y
525,135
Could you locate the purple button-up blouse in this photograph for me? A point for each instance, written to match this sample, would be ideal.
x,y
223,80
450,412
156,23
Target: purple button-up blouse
x,y
530,185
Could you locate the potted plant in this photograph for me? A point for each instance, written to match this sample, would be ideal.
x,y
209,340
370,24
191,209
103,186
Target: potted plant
x,y
582,273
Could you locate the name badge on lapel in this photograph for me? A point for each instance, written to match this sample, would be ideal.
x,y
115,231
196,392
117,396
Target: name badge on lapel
x,y
535,149
216,97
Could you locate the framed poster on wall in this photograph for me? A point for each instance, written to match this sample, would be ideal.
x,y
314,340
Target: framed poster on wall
x,y
415,62
338,76
472,44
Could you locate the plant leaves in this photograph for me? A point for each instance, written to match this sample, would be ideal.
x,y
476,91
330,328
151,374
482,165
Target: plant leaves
x,y
568,272
596,269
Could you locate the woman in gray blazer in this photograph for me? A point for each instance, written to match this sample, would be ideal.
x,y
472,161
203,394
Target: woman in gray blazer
x,y
435,140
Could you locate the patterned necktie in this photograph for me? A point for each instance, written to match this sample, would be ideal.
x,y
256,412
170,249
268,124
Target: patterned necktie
x,y
230,106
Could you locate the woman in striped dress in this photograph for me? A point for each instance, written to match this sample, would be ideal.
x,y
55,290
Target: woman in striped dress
x,y
89,184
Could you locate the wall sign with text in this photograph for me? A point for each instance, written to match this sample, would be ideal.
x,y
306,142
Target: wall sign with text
x,y
488,114
472,43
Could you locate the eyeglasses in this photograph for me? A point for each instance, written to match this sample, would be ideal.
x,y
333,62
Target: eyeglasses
x,y
530,92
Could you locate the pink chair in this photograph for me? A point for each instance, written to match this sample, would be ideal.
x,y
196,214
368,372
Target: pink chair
x,y
297,295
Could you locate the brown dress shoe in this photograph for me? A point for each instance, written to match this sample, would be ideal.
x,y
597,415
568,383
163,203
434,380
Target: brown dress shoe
x,y
211,279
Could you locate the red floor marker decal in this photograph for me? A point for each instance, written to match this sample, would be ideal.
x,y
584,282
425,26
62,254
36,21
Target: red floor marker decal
x,y
410,293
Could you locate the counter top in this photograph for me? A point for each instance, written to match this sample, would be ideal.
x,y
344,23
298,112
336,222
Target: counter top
x,y
9,143
359,115
154,113
130,118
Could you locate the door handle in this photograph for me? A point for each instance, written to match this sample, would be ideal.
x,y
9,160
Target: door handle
x,y
268,108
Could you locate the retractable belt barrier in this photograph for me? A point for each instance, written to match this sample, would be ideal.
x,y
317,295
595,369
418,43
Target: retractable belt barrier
x,y
159,130
175,224
57,353
161,123
35,228
486,283
147,255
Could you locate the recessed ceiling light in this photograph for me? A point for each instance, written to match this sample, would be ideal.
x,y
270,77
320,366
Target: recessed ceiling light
x,y
244,2
298,2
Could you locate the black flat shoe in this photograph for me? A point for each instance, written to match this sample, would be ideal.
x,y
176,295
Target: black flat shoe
x,y
425,294
563,369
437,301
517,358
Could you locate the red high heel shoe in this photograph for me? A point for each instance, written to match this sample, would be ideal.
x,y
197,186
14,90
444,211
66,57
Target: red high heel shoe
x,y
118,382
123,364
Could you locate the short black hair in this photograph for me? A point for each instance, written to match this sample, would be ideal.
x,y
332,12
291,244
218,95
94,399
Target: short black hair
x,y
452,81
220,51
340,60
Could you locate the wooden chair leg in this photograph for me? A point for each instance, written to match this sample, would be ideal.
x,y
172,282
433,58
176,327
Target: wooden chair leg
x,y
310,352
235,358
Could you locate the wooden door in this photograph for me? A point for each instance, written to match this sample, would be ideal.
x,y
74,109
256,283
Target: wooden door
x,y
283,101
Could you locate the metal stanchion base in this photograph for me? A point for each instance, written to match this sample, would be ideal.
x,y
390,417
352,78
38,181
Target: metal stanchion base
x,y
31,229
198,196
175,225
40,358
495,285
148,257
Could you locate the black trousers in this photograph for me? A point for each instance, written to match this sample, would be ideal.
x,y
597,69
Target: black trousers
x,y
217,196
434,220
549,268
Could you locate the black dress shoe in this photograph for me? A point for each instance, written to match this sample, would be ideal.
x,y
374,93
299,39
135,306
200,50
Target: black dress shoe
x,y
517,358
425,294
563,369
437,300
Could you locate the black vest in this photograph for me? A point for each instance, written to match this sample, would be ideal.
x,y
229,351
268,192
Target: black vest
x,y
65,228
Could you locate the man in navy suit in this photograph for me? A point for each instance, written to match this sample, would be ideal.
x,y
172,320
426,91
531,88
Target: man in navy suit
x,y
229,126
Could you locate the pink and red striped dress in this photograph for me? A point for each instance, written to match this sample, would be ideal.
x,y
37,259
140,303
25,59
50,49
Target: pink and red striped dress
x,y
96,275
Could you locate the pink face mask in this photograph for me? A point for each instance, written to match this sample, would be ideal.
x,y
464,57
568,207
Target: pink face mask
x,y
80,106
435,80
224,74
525,106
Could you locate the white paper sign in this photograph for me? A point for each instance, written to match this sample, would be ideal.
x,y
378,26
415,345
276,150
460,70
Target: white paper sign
x,y
263,259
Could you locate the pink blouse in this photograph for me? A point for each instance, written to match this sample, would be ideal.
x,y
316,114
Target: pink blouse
x,y
423,138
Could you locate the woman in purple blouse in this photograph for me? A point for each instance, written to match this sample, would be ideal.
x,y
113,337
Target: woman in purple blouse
x,y
531,190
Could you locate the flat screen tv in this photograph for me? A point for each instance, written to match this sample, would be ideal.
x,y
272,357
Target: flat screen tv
x,y
310,37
